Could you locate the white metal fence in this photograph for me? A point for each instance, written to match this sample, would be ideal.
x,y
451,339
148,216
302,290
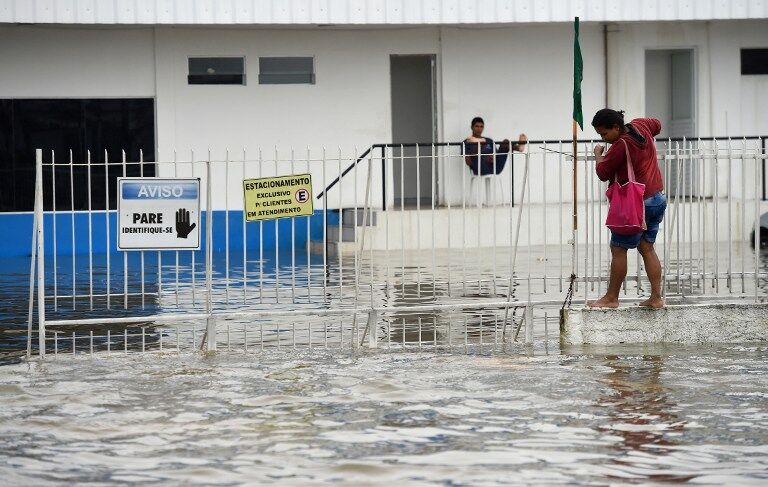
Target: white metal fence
x,y
449,267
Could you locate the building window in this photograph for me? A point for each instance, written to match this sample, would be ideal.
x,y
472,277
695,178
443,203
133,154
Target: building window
x,y
216,71
754,61
286,70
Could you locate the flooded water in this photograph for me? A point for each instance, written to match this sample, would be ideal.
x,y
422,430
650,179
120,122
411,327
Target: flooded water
x,y
537,414
628,415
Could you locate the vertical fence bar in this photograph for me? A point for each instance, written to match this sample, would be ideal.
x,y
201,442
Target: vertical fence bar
x,y
716,228
325,231
561,207
193,253
418,222
245,239
226,227
756,227
743,209
55,233
589,171
125,254
40,253
385,203
293,238
729,279
141,174
368,220
309,241
683,261
175,174
433,195
261,241
33,254
90,234
544,210
666,230
691,190
402,219
106,222
587,224
492,201
678,217
354,227
340,235
528,194
512,226
72,202
209,246
463,224
702,216
277,241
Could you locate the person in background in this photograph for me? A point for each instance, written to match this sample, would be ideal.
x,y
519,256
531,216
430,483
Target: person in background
x,y
638,135
479,150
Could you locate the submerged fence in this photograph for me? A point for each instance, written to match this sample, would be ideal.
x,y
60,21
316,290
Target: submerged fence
x,y
406,248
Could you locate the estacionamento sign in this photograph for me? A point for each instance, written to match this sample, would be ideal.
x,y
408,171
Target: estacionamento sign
x,y
278,197
158,214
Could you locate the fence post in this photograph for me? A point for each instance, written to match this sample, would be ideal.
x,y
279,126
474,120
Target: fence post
x,y
529,325
40,251
373,318
210,333
210,323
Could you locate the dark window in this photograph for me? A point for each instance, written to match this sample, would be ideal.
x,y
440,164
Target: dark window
x,y
71,128
754,61
216,71
286,70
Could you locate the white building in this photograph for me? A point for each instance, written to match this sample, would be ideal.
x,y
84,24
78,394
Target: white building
x,y
379,71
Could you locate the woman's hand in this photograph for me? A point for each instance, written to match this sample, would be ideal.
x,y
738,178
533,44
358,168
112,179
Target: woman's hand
x,y
599,149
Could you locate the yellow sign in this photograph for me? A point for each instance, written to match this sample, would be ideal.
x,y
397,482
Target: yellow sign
x,y
280,197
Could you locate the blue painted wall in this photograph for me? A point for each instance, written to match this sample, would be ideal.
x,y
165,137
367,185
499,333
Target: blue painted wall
x,y
16,232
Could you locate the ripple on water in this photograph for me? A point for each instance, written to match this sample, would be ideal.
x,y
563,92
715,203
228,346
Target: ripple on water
x,y
384,418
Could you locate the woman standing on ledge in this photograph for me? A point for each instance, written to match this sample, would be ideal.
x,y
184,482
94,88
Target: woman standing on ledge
x,y
638,138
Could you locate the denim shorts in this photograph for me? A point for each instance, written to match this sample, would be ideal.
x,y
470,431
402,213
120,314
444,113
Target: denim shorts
x,y
654,213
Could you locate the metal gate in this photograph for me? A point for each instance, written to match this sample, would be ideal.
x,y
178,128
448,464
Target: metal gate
x,y
484,258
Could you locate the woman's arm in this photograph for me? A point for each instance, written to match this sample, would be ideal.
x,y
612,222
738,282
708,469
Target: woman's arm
x,y
608,163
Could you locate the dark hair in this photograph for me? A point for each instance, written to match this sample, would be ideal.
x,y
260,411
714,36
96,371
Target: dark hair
x,y
607,118
476,120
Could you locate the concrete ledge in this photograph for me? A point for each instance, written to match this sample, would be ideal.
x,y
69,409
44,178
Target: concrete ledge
x,y
683,323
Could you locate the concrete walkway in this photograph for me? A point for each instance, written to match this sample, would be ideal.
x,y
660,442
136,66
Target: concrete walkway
x,y
683,323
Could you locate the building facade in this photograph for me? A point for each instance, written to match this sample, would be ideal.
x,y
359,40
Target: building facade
x,y
177,79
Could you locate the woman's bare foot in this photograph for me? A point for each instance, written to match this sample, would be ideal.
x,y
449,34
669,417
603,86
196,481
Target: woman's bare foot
x,y
653,302
604,302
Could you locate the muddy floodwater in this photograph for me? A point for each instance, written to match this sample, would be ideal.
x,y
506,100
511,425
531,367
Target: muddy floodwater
x,y
536,415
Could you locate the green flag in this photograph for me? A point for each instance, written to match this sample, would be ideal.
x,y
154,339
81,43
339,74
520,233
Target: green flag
x,y
578,75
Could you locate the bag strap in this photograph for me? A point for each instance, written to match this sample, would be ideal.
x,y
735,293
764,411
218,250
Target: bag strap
x,y
630,169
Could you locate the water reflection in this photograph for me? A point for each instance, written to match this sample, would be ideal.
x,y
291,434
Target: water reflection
x,y
640,410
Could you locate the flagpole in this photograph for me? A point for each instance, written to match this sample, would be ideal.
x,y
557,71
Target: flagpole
x,y
575,204
578,120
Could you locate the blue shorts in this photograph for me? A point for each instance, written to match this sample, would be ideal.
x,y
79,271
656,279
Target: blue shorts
x,y
654,213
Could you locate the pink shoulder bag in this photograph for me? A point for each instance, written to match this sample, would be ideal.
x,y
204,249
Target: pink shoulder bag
x,y
626,208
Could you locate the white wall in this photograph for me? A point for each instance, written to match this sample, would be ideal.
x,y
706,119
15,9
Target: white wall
x,y
348,107
721,88
519,79
48,62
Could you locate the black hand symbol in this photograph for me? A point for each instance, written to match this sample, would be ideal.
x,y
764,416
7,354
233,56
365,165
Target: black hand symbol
x,y
183,228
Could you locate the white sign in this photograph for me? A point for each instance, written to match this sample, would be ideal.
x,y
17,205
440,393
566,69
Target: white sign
x,y
158,214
